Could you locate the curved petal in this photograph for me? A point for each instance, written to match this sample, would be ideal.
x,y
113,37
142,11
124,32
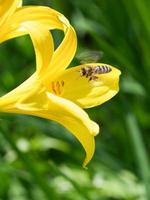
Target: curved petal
x,y
71,85
76,121
32,15
43,46
40,103
70,116
64,53
7,7
48,19
8,100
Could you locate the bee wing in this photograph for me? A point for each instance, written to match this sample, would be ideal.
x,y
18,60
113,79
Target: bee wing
x,y
89,56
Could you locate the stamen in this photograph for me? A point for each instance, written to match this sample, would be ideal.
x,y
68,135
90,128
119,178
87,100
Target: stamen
x,y
57,87
62,83
53,87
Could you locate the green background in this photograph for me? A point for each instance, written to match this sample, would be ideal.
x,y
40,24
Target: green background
x,y
41,160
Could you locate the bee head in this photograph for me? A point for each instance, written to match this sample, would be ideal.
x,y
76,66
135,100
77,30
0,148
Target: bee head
x,y
82,72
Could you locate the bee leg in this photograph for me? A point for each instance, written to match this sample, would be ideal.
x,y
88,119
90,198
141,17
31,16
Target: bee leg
x,y
93,78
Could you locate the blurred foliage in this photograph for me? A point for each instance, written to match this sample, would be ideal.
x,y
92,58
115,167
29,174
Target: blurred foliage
x,y
39,159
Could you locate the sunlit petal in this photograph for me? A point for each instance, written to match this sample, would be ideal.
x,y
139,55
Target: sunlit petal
x,y
84,92
31,14
40,103
64,53
48,19
43,47
7,7
8,100
74,119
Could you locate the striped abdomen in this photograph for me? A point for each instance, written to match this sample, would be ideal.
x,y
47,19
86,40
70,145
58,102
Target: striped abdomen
x,y
101,69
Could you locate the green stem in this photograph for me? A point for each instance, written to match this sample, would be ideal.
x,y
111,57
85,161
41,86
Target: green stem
x,y
37,177
140,151
143,10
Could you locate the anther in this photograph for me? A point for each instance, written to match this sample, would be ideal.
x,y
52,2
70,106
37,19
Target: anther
x,y
57,87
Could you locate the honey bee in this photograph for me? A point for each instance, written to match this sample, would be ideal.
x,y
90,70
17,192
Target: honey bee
x,y
101,69
91,71
86,71
93,78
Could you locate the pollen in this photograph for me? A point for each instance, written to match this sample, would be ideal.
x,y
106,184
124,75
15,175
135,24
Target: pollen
x,y
57,87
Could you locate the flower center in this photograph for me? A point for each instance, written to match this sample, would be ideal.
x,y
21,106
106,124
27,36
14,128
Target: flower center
x,y
57,87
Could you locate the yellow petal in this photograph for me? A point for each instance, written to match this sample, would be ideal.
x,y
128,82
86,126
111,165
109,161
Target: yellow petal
x,y
63,54
20,2
75,120
38,15
48,19
43,47
36,101
7,7
8,101
71,85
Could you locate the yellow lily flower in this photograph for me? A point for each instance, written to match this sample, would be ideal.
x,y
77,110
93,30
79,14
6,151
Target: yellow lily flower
x,y
54,92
